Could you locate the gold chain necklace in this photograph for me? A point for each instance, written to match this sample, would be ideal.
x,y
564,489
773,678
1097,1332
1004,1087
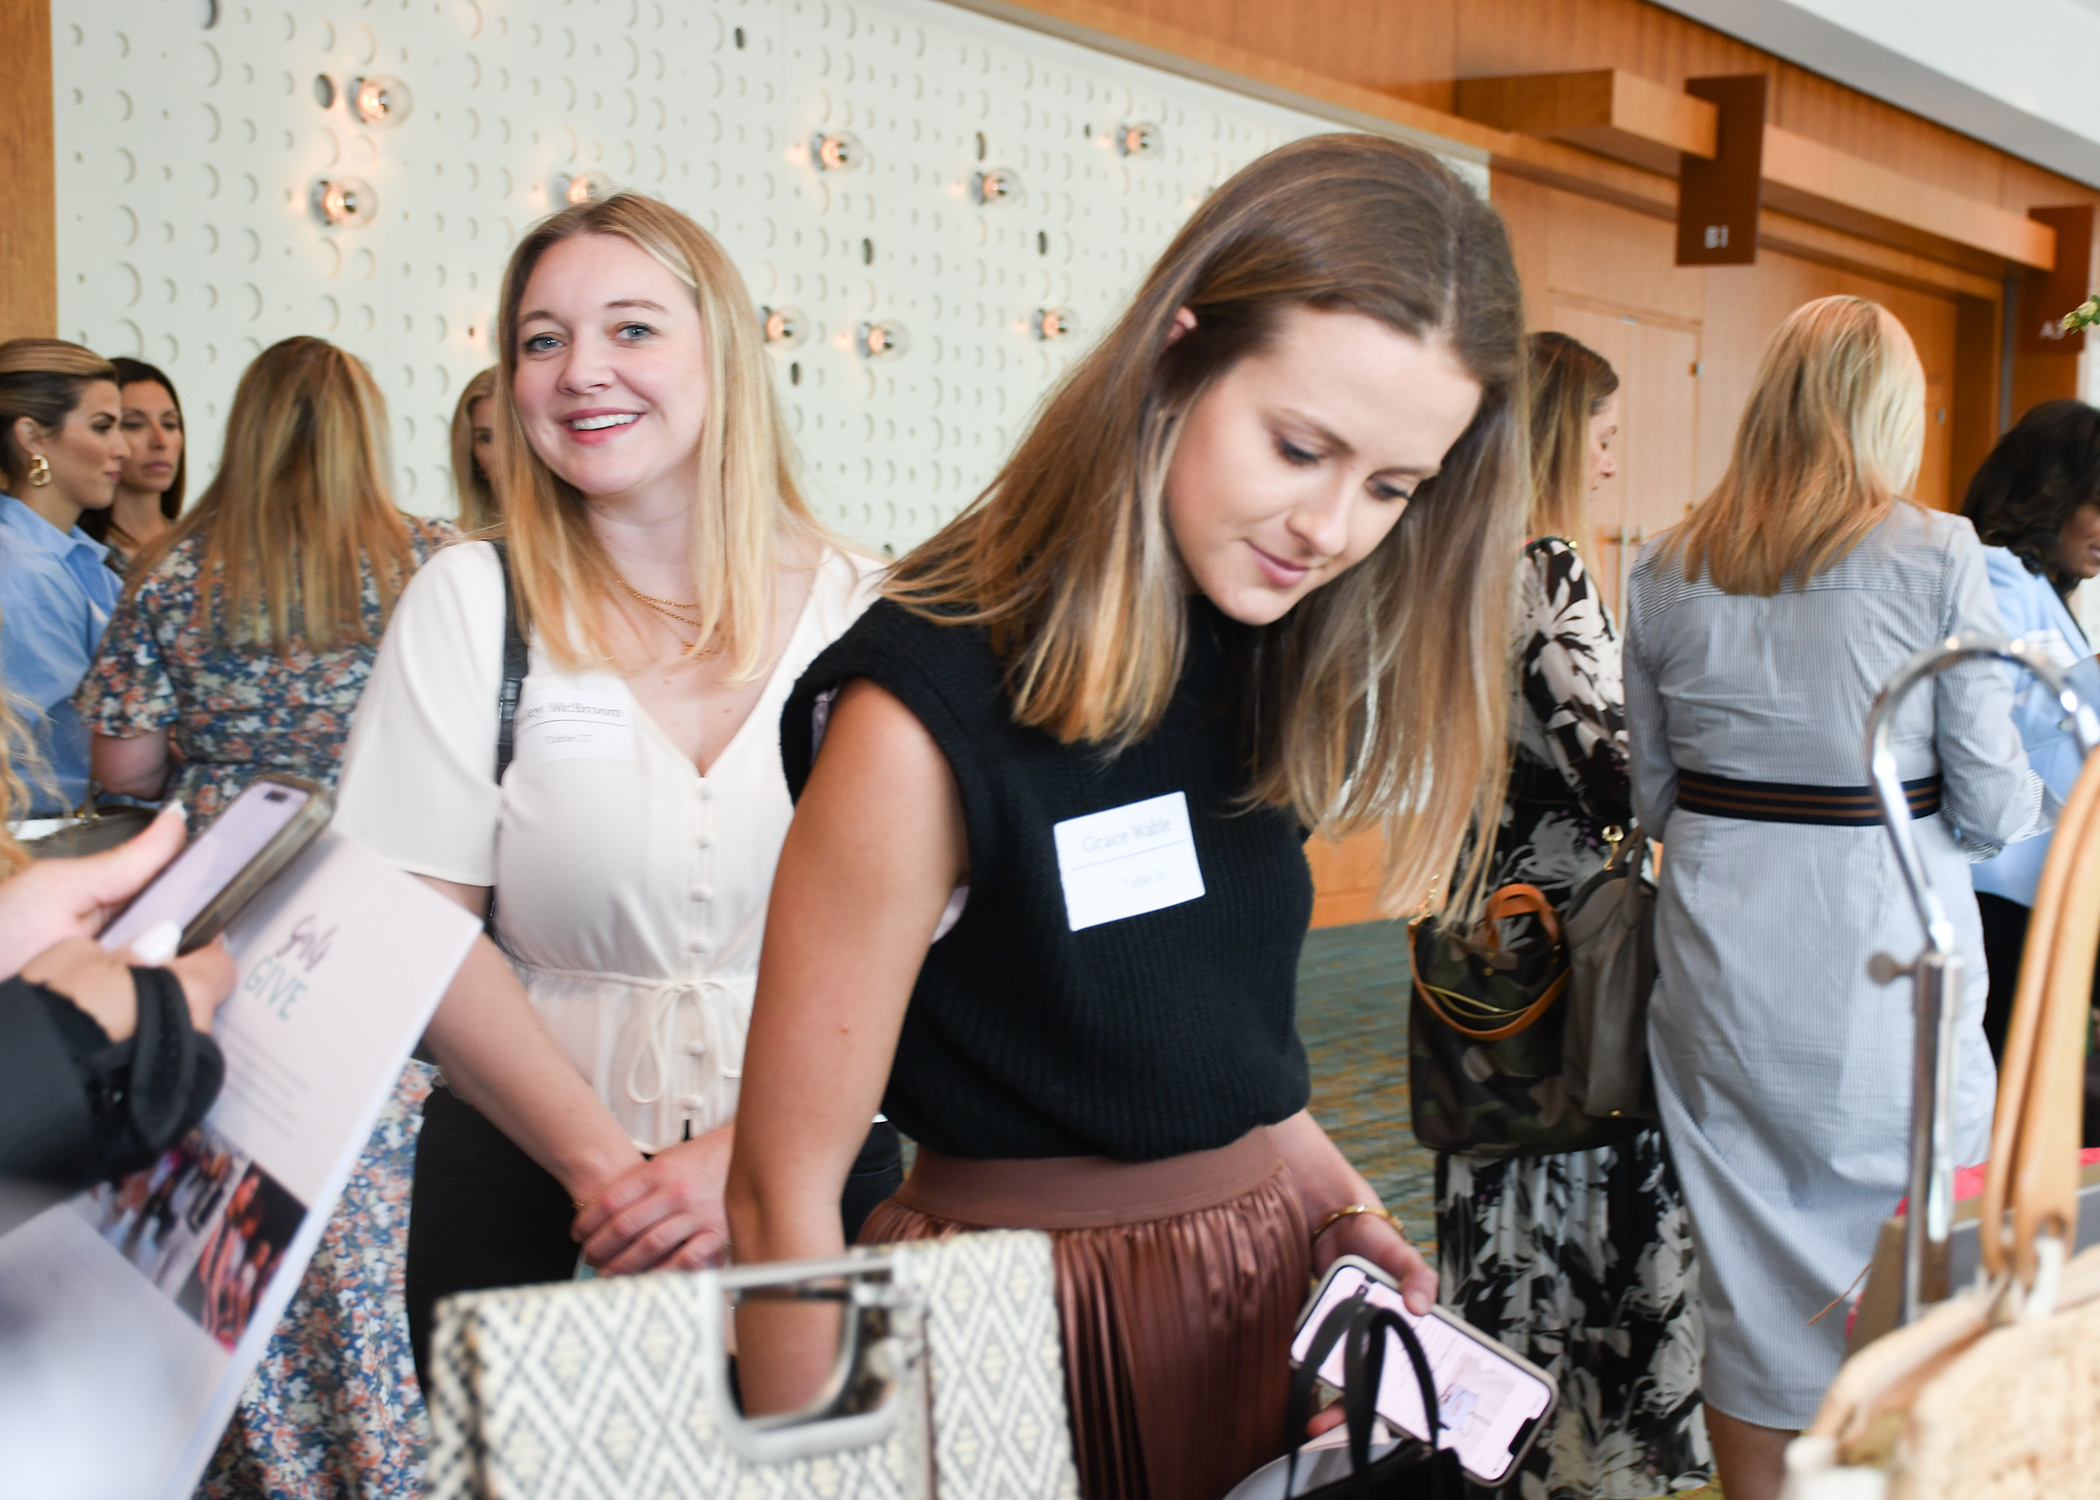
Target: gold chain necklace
x,y
668,608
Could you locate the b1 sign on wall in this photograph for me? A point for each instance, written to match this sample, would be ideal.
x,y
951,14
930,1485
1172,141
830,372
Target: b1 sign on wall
x,y
939,207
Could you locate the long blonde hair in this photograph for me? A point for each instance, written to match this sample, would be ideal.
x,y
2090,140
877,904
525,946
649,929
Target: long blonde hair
x,y
1570,384
748,500
300,508
1381,696
477,501
1831,438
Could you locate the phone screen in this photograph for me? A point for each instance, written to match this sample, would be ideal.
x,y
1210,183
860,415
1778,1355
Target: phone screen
x,y
1485,1399
211,862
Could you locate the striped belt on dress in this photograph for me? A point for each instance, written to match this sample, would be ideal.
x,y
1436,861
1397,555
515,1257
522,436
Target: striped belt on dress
x,y
1777,802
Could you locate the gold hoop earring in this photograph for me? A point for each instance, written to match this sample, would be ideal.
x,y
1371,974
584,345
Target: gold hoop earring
x,y
39,470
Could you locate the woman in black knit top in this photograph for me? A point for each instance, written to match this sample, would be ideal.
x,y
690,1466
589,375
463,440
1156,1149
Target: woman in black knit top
x,y
1045,890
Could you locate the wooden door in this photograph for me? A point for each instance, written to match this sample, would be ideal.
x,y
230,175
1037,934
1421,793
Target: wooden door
x,y
1657,362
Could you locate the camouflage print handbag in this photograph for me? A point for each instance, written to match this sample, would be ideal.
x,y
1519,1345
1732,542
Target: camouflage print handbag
x,y
1485,1029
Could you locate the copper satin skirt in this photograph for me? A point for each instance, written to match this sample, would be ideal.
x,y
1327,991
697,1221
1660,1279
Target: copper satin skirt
x,y
1178,1283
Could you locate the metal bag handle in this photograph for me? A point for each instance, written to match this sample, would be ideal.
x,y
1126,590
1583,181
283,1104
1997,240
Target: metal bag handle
x,y
889,1279
1936,973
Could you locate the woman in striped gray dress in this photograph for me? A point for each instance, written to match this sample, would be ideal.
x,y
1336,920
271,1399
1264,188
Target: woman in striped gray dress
x,y
1757,635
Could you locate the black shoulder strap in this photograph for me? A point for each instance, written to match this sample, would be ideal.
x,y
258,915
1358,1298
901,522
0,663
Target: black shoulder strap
x,y
515,664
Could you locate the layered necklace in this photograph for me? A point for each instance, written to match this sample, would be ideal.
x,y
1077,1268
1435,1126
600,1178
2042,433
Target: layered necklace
x,y
672,610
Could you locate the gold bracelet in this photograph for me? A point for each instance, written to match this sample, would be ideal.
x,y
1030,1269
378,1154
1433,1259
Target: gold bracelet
x,y
1351,1211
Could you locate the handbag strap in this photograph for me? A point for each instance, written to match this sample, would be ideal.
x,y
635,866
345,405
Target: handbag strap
x,y
1298,1410
1360,1328
1367,1334
1525,1017
1513,900
517,661
2041,1090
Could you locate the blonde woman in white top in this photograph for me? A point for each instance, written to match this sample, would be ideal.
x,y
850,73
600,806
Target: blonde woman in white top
x,y
673,585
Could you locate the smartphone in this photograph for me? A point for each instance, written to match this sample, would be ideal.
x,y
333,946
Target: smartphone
x,y
1492,1401
223,868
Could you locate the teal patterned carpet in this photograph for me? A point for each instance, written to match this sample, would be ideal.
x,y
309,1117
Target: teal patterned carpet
x,y
1352,1013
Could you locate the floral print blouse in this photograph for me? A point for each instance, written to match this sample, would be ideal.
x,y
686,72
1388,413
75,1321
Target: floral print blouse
x,y
1569,780
231,711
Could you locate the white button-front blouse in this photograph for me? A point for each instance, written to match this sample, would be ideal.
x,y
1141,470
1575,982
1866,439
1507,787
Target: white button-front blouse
x,y
630,889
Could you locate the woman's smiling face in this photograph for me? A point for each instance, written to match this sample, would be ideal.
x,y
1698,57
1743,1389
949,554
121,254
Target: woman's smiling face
x,y
1293,466
612,380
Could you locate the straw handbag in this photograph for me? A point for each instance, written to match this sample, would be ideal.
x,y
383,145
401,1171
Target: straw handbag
x,y
949,1385
1995,1393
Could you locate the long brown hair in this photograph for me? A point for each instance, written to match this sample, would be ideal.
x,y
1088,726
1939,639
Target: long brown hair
x,y
1383,693
300,509
748,500
477,501
1570,384
41,379
1831,438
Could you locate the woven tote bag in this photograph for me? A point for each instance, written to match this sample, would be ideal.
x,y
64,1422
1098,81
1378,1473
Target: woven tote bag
x,y
949,1385
1995,1393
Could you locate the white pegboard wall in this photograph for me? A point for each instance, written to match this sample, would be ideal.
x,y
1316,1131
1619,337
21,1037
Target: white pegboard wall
x,y
187,152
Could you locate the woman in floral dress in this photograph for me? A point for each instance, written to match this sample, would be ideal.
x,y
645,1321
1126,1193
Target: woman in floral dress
x,y
247,633
241,646
1579,1259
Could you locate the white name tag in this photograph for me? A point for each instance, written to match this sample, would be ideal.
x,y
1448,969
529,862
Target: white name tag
x,y
1127,861
562,722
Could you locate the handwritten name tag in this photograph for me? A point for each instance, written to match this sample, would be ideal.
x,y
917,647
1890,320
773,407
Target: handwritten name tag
x,y
1127,861
563,722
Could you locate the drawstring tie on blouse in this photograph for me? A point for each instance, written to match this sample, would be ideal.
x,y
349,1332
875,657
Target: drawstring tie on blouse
x,y
659,1035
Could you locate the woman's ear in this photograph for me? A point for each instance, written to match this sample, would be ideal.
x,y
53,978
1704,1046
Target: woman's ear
x,y
1184,320
30,434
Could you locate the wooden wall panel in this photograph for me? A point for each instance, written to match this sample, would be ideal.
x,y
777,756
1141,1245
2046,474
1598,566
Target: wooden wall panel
x,y
29,226
1416,49
1345,878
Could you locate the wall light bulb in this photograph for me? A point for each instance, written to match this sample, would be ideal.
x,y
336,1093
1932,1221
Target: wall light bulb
x,y
836,153
584,187
380,100
343,202
785,327
1141,139
881,340
1000,185
1048,323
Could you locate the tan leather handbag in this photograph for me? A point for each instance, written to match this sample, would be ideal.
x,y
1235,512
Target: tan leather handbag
x,y
1995,1393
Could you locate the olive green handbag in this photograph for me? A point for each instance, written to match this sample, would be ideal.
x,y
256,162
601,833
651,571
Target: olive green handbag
x,y
1485,1033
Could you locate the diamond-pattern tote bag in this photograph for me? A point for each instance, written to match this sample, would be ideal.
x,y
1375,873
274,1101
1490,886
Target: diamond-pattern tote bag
x,y
949,1385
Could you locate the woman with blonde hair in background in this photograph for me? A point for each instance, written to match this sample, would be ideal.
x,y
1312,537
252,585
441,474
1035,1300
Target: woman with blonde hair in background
x,y
671,583
62,451
246,634
1757,635
1561,1234
149,492
473,450
1286,486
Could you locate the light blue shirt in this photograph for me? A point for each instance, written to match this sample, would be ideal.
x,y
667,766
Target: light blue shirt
x,y
2032,611
55,598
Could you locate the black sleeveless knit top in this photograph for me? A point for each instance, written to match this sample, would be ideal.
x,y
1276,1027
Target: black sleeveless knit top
x,y
1137,1038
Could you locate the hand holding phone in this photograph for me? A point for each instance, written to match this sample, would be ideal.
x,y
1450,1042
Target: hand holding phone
x,y
1492,1401
225,867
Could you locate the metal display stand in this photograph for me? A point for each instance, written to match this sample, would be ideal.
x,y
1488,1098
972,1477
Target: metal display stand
x,y
1936,973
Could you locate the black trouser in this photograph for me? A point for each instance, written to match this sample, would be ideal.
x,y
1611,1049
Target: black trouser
x,y
2004,940
484,1214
